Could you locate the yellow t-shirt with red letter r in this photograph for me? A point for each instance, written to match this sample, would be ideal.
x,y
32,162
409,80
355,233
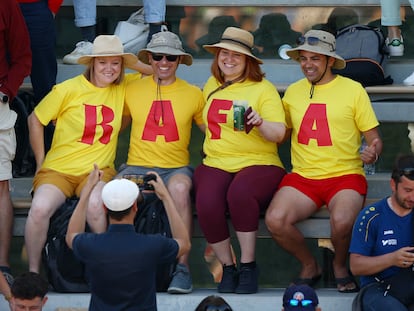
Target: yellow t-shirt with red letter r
x,y
327,128
88,119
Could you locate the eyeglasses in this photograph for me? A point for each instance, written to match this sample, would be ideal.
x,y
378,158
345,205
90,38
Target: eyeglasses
x,y
303,303
407,172
158,57
224,307
314,41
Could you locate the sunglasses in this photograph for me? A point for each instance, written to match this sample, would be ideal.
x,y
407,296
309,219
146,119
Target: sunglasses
x,y
159,57
303,303
224,307
407,172
313,41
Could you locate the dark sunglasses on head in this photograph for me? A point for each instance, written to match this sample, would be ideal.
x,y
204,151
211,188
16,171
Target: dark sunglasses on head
x,y
224,307
303,303
407,172
158,57
313,41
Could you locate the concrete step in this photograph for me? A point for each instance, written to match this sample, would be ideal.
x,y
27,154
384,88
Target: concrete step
x,y
266,300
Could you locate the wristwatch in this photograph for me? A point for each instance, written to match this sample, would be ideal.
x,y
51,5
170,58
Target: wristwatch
x,y
4,98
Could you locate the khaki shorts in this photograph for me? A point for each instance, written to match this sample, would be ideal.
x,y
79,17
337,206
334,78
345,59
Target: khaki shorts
x,y
70,185
7,152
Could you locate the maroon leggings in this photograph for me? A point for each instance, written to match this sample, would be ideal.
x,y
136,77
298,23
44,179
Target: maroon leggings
x,y
242,195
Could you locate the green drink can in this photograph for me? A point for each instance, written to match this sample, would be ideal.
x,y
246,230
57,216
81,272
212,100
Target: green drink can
x,y
238,115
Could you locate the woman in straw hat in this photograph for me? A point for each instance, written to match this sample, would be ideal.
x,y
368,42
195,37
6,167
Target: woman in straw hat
x,y
87,111
241,170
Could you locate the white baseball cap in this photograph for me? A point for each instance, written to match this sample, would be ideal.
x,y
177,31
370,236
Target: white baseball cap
x,y
119,194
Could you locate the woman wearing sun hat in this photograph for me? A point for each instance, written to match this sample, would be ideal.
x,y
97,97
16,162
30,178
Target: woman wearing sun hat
x,y
241,169
87,111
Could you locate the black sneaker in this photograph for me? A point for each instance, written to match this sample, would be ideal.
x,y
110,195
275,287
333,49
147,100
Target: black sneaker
x,y
229,280
248,283
7,275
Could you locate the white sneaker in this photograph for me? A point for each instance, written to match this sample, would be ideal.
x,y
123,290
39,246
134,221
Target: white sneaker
x,y
395,46
409,80
82,48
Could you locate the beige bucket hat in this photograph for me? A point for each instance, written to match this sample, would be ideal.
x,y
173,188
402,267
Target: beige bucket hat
x,y
235,39
318,41
168,43
108,45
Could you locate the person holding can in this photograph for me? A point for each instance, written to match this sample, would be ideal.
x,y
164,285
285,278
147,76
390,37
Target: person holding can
x,y
241,168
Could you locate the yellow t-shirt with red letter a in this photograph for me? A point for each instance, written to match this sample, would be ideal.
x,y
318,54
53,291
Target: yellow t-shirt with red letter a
x,y
162,118
327,128
88,119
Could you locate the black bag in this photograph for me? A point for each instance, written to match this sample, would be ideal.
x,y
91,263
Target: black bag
x,y
401,284
24,163
65,272
152,219
364,50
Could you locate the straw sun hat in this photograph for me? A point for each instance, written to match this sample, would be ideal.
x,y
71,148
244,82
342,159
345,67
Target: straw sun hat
x,y
237,40
108,45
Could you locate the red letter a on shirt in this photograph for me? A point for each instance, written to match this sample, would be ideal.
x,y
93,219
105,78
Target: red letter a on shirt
x,y
315,126
161,121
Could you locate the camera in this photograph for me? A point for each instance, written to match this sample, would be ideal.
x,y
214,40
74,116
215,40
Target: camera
x,y
142,180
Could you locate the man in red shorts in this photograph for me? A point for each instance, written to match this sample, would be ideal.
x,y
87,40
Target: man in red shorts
x,y
327,115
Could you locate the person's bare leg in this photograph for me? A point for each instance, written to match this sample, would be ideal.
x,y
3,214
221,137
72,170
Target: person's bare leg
x,y
288,207
344,208
46,201
247,241
6,222
179,186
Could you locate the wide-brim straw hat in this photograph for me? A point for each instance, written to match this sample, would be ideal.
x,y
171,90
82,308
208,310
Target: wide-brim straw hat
x,y
167,43
326,45
237,40
108,45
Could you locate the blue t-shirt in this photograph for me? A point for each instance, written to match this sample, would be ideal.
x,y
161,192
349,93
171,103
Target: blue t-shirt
x,y
378,231
121,266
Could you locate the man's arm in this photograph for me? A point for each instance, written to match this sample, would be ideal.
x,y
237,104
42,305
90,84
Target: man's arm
x,y
178,229
372,265
78,220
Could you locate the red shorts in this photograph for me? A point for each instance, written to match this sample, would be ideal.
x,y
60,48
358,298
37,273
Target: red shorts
x,y
321,191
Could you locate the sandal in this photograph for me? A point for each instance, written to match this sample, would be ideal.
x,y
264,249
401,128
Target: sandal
x,y
307,281
342,283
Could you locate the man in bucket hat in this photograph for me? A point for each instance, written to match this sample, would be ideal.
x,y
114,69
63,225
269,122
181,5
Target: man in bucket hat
x,y
121,263
162,108
327,114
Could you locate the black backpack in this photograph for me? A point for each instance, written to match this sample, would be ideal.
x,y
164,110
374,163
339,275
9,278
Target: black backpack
x,y
64,271
152,219
364,50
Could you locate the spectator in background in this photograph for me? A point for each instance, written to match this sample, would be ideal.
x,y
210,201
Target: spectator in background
x,y
155,16
300,297
241,170
213,303
326,115
87,110
15,65
391,18
382,239
39,17
85,20
28,292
